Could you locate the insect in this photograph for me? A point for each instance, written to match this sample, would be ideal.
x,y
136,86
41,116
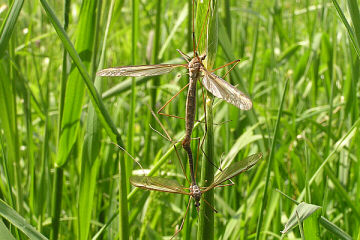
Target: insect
x,y
213,83
195,192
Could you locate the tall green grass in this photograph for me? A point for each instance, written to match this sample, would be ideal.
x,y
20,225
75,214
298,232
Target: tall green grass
x,y
62,176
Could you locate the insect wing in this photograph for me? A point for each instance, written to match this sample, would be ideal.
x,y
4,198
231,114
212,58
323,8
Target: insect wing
x,y
224,90
235,169
139,70
157,184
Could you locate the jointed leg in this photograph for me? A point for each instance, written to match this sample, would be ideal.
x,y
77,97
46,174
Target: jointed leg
x,y
182,223
170,100
236,63
164,114
170,139
210,205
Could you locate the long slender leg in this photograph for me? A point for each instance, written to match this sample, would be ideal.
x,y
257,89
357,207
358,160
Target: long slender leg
x,y
204,104
164,114
182,223
170,139
170,100
203,152
235,61
210,205
197,156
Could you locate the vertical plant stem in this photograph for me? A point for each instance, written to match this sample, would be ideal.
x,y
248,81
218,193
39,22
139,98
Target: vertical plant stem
x,y
57,182
209,41
123,203
56,203
206,216
123,170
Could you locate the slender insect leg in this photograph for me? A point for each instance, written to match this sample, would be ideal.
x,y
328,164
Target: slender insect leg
x,y
183,221
197,156
236,63
172,98
203,152
204,104
170,139
210,205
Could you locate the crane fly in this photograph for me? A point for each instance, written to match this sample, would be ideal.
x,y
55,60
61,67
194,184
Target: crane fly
x,y
195,192
213,83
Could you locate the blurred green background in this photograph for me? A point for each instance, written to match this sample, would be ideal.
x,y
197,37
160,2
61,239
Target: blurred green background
x,y
62,174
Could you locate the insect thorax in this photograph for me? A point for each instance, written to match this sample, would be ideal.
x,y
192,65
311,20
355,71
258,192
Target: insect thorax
x,y
196,194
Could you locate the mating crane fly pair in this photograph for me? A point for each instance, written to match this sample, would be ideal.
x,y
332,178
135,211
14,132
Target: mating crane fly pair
x,y
215,85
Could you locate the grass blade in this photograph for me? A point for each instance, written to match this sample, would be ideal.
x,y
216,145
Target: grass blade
x,y
90,161
350,31
4,232
206,18
8,25
104,117
18,221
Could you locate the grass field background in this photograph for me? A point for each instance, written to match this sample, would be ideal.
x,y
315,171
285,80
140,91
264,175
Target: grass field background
x,y
63,177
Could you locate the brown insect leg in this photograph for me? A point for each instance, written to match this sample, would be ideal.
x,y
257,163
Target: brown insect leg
x,y
236,63
197,156
210,205
170,139
172,98
182,223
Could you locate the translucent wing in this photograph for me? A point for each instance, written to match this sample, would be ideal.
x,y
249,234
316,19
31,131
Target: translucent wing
x,y
235,169
224,90
158,184
139,70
